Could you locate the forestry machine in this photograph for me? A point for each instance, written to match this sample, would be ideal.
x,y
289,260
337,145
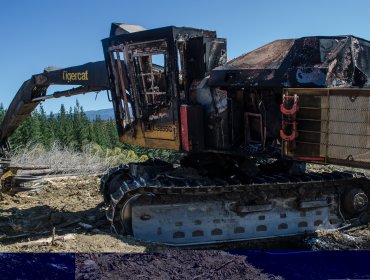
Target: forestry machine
x,y
247,128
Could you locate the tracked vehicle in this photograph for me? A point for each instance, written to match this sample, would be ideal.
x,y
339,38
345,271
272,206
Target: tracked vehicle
x,y
247,128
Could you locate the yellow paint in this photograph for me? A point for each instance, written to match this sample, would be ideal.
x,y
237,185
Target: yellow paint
x,y
167,132
164,137
75,76
7,176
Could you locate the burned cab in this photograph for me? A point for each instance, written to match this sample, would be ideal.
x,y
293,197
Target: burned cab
x,y
152,73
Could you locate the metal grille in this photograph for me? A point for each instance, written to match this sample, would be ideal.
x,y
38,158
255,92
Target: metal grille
x,y
333,124
348,129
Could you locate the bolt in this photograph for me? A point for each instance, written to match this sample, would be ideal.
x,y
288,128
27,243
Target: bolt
x,y
360,201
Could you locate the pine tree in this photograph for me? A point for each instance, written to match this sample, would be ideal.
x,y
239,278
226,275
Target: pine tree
x,y
45,130
69,129
80,127
112,134
52,123
91,135
28,132
100,132
36,128
2,112
64,127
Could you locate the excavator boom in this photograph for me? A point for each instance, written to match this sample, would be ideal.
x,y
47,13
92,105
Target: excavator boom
x,y
89,77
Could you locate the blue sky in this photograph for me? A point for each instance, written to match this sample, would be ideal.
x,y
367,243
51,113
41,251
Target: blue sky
x,y
40,33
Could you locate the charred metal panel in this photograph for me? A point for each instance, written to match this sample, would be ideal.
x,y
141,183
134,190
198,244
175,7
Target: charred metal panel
x,y
215,53
236,112
254,135
333,126
192,130
261,116
204,54
195,59
216,115
340,61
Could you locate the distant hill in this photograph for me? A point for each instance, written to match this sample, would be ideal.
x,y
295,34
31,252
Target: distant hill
x,y
105,114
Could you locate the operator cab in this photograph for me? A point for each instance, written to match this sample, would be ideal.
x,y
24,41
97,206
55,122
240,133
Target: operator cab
x,y
151,74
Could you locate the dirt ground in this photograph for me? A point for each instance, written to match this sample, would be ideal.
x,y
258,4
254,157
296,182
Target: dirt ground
x,y
169,264
71,205
67,214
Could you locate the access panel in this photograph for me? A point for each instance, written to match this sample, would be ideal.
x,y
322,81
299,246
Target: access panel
x,y
327,125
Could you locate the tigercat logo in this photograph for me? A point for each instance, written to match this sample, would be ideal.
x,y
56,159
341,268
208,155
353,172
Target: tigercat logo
x,y
75,76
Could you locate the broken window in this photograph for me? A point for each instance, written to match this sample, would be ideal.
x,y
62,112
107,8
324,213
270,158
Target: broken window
x,y
152,78
149,62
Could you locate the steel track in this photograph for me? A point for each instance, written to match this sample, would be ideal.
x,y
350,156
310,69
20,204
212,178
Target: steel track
x,y
177,189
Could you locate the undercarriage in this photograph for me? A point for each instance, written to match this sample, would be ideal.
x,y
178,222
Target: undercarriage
x,y
155,202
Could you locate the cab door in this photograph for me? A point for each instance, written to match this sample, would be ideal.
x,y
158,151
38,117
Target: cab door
x,y
153,81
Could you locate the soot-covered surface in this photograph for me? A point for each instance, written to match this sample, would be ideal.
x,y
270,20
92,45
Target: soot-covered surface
x,y
320,61
171,264
37,266
306,265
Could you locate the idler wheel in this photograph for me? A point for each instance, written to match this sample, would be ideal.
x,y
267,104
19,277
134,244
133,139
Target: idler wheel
x,y
355,201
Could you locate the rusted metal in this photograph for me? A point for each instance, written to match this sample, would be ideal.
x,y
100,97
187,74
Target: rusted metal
x,y
192,132
248,136
116,96
337,61
123,87
332,124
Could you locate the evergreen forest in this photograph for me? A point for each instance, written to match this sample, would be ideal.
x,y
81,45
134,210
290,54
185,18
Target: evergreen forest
x,y
68,128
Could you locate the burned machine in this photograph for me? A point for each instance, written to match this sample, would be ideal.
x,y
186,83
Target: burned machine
x,y
247,128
